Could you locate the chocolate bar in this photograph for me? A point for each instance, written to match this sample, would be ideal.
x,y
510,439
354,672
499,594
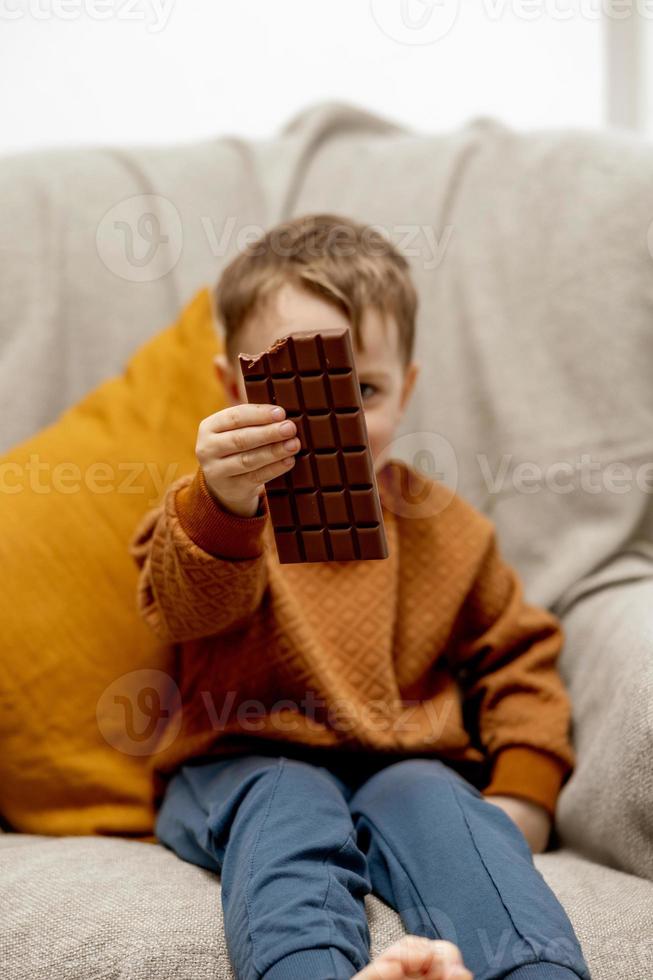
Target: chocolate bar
x,y
327,507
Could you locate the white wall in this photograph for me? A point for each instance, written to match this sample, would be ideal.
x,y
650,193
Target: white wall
x,y
89,71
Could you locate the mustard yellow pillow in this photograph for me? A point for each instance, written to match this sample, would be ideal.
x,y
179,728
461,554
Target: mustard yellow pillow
x,y
85,688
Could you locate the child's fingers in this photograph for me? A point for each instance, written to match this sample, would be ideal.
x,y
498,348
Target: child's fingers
x,y
253,460
260,476
238,416
227,442
224,444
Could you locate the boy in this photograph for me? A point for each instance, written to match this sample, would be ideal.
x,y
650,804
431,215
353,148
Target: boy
x,y
395,725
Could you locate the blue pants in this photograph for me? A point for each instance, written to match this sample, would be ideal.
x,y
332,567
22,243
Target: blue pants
x,y
298,846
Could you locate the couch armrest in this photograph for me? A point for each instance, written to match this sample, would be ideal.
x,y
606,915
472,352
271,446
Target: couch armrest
x,y
604,810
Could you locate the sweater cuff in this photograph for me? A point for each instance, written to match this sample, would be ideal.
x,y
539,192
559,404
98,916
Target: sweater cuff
x,y
217,531
529,773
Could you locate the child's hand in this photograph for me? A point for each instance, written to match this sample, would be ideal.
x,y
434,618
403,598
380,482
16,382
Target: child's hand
x,y
242,447
531,818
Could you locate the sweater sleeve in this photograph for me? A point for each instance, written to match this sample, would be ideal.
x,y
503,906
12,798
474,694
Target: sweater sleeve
x,y
506,657
202,569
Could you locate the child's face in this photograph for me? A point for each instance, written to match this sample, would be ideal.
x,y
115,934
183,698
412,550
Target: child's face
x,y
385,385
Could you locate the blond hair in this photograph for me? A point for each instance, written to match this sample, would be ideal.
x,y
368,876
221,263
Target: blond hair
x,y
351,265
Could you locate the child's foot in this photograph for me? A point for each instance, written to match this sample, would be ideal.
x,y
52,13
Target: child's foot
x,y
415,956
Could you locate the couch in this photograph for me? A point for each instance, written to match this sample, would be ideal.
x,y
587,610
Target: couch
x,y
532,255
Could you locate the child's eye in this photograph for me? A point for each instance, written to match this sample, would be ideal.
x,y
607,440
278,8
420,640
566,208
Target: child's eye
x,y
365,384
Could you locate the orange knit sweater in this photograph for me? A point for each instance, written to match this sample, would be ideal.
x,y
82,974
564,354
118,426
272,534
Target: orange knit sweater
x,y
430,652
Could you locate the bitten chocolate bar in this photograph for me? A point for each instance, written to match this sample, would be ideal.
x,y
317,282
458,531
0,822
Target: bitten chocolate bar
x,y
326,507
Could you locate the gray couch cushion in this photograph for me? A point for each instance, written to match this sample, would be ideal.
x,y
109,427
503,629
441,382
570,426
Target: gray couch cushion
x,y
605,810
84,908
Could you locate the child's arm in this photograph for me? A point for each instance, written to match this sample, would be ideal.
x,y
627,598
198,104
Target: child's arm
x,y
505,653
201,552
202,569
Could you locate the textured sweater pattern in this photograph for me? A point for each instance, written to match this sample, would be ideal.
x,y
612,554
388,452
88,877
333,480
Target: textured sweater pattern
x,y
432,651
